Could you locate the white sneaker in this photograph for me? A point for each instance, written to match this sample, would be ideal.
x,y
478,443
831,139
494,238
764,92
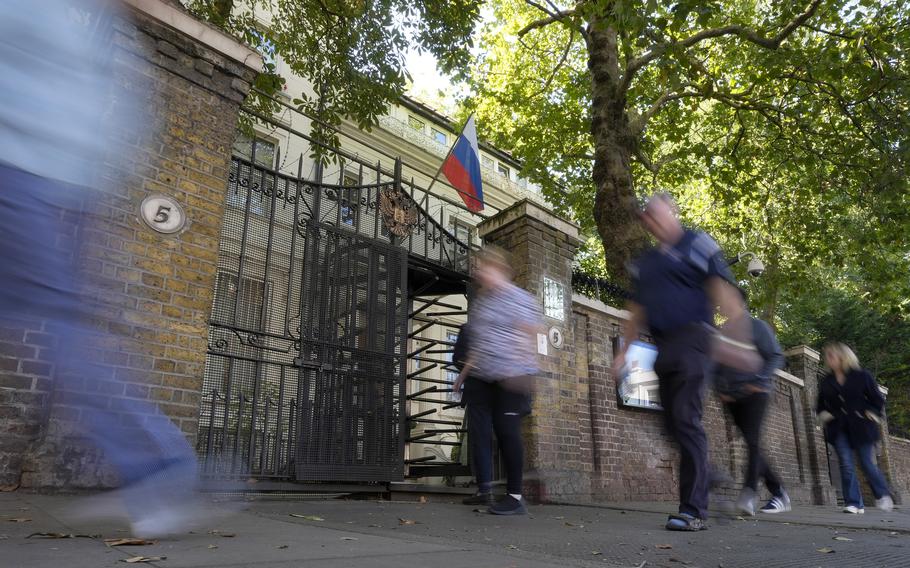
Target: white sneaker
x,y
854,510
886,503
777,504
746,502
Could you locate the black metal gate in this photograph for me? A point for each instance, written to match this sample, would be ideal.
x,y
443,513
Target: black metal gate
x,y
351,361
305,375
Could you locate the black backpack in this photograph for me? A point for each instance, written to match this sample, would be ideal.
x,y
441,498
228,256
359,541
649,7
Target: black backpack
x,y
460,350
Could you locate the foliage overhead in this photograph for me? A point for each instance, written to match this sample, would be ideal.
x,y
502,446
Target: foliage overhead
x,y
352,52
782,127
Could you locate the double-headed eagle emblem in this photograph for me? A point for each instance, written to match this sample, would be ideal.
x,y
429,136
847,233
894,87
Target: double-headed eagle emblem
x,y
399,212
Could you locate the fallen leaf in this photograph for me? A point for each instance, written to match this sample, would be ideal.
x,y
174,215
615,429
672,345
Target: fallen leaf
x,y
213,546
422,499
282,547
348,538
60,535
20,520
222,534
406,522
843,539
596,553
664,546
512,547
7,488
128,542
559,518
136,559
307,517
825,550
568,524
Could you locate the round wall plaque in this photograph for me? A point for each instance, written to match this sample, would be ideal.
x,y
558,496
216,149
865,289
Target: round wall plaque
x,y
556,337
163,214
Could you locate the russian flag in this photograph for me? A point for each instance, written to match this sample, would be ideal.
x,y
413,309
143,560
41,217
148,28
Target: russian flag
x,y
462,167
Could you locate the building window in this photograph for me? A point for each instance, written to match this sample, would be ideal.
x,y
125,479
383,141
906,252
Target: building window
x,y
416,123
350,178
244,146
264,46
486,162
461,231
440,137
504,170
451,370
553,299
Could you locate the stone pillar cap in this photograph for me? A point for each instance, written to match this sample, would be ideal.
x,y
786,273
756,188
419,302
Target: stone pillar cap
x,y
803,350
527,208
202,32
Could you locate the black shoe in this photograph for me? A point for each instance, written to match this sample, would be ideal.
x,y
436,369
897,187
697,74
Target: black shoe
x,y
685,522
479,499
509,505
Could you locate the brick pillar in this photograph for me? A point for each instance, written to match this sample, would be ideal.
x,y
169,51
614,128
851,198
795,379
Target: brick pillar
x,y
188,81
804,363
543,247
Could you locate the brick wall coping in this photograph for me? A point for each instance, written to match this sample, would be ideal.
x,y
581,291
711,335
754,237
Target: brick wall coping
x,y
526,208
599,306
803,350
201,32
790,378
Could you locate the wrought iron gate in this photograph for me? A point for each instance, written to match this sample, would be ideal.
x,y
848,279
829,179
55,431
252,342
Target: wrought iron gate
x,y
307,356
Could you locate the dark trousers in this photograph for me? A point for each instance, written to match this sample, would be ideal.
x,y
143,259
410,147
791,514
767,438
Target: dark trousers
x,y
748,414
491,408
681,363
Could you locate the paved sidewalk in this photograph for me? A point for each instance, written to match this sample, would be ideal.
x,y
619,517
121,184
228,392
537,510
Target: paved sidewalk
x,y
324,534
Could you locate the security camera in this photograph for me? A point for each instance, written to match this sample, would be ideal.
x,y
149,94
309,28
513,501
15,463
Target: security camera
x,y
756,268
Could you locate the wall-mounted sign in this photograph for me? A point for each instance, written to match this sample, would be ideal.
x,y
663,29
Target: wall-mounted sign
x,y
556,337
541,343
554,299
163,214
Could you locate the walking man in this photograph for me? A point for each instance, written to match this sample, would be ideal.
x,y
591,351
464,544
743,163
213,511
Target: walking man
x,y
746,397
676,287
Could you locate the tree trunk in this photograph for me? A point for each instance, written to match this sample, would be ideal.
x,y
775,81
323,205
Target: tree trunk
x,y
617,223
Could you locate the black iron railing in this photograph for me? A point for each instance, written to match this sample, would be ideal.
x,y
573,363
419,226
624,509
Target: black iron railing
x,y
599,288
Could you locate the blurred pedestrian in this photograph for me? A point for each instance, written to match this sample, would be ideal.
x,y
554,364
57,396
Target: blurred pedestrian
x,y
59,110
676,288
746,396
479,422
850,406
499,370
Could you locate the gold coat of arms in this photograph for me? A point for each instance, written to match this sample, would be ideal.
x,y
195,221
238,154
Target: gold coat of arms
x,y
399,212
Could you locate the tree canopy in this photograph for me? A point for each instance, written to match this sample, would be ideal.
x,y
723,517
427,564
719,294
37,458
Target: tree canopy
x,y
352,52
781,127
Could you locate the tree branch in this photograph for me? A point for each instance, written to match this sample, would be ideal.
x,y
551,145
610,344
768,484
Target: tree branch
x,y
557,67
552,17
744,33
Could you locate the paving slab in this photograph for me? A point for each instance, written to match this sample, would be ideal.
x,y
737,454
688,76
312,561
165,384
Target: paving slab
x,y
354,533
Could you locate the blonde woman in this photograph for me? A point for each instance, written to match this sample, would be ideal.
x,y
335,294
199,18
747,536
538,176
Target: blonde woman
x,y
850,408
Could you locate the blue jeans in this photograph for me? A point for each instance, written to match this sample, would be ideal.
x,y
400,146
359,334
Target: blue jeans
x,y
849,480
40,281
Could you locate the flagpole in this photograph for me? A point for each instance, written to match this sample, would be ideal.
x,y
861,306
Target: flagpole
x,y
446,159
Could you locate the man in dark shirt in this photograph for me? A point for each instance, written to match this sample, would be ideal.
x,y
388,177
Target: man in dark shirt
x,y
746,397
676,287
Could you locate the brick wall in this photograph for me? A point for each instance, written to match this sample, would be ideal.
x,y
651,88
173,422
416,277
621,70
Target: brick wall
x,y
155,290
897,467
633,459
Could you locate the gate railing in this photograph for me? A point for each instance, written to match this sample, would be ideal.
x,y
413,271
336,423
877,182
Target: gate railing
x,y
270,372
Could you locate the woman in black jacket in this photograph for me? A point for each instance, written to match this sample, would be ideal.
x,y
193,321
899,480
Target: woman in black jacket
x,y
850,407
